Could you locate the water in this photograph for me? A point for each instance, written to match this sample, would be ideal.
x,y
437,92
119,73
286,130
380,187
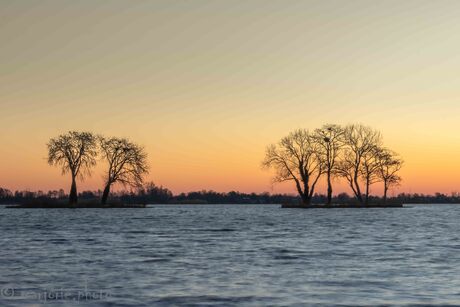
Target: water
x,y
230,255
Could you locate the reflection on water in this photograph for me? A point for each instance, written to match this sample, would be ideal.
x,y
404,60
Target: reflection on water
x,y
230,255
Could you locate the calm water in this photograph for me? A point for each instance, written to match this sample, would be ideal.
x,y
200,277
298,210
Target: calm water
x,y
230,255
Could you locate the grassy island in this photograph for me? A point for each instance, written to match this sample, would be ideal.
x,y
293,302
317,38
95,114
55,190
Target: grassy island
x,y
37,204
341,206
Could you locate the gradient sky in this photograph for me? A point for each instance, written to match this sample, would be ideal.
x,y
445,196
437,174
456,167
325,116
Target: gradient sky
x,y
206,85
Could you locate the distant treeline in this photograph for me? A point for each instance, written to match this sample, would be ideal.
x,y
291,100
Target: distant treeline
x,y
153,194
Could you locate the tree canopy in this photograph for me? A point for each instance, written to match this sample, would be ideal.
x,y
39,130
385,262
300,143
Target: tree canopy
x,y
75,152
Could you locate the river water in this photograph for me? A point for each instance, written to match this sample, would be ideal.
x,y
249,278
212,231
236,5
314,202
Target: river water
x,y
230,255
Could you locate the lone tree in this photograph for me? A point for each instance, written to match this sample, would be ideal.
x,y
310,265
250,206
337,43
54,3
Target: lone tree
x,y
360,144
296,158
388,166
330,141
75,152
127,163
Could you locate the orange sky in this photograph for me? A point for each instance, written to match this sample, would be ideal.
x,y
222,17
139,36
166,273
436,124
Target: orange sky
x,y
206,85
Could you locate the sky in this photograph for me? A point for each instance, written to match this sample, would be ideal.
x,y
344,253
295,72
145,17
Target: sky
x,y
205,86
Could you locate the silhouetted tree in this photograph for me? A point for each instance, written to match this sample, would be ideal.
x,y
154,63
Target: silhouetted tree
x,y
75,152
360,143
296,158
4,193
330,141
388,166
369,170
157,194
127,163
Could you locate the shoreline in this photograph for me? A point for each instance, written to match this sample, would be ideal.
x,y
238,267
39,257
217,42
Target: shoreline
x,y
121,206
341,206
77,206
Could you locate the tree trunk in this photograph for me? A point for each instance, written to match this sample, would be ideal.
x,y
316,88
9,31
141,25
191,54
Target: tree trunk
x,y
385,191
305,199
329,188
73,196
105,194
367,191
359,196
357,187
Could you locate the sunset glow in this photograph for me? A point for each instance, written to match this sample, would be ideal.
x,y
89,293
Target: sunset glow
x,y
205,86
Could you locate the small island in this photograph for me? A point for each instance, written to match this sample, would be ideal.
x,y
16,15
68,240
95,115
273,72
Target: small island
x,y
49,205
354,153
44,202
76,153
340,206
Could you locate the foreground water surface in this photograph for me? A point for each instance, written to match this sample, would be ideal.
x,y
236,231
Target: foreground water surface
x,y
230,255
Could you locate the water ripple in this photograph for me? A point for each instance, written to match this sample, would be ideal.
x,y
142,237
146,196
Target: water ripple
x,y
232,255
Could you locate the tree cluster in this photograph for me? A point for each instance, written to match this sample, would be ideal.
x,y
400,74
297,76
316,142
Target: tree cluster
x,y
76,153
354,153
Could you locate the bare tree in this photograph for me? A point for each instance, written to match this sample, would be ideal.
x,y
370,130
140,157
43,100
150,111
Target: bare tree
x,y
360,142
330,141
296,158
75,152
388,166
127,163
370,170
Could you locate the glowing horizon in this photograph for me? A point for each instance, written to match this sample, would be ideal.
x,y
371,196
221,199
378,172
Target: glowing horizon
x,y
205,86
